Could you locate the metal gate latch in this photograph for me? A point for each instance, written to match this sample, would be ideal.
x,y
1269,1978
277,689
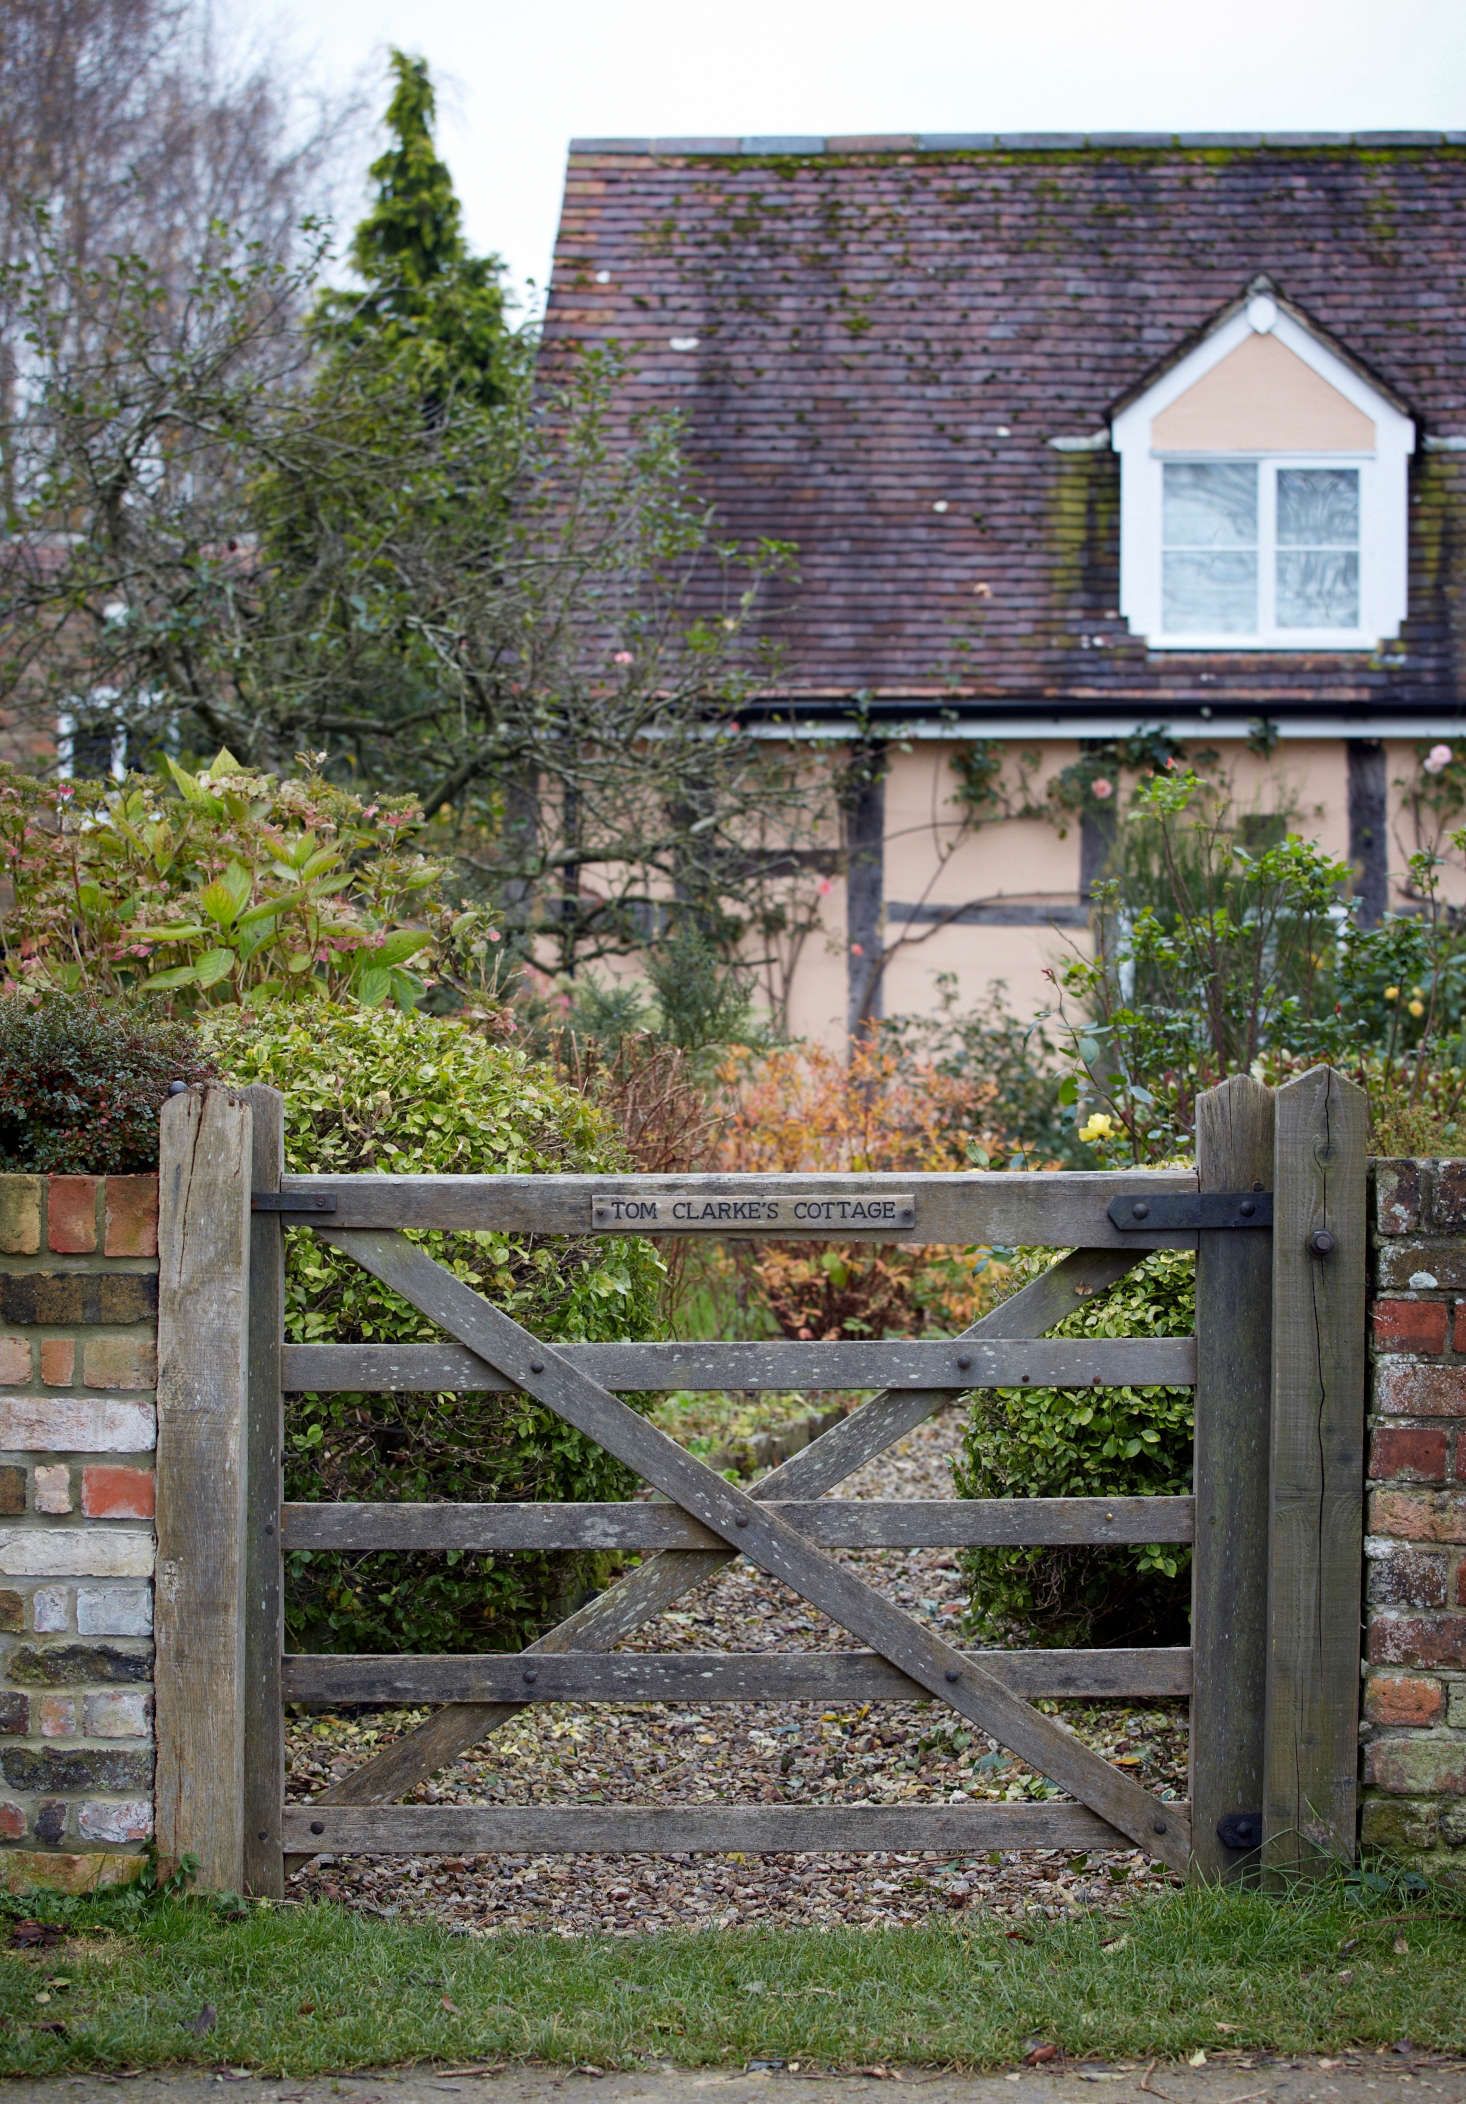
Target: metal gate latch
x,y
1185,1212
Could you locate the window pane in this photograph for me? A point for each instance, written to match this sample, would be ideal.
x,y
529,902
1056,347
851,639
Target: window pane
x,y
1210,504
1318,507
1318,588
1208,594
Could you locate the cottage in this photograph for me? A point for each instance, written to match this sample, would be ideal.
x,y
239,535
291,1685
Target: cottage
x,y
1078,441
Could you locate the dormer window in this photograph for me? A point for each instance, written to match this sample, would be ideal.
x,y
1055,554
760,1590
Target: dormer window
x,y
1263,498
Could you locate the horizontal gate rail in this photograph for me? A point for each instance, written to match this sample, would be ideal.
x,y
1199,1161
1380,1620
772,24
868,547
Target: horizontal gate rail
x,y
977,1207
656,1585
613,1829
867,1523
752,1529
722,1676
1063,1362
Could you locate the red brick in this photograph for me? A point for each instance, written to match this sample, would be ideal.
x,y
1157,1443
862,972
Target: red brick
x,y
1418,1640
1398,1196
71,1214
1403,1389
20,1215
15,1361
1405,1454
12,1822
58,1361
1419,1515
1409,1577
1402,1698
1417,1767
1410,1325
132,1216
1448,1212
119,1362
111,1492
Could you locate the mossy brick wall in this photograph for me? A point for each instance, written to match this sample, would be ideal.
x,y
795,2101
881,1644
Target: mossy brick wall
x,y
78,1336
1415,1641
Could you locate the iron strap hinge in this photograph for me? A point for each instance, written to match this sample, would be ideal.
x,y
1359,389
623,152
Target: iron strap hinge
x,y
291,1202
1187,1212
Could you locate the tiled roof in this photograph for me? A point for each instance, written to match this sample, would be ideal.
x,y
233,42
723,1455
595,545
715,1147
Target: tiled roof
x,y
877,343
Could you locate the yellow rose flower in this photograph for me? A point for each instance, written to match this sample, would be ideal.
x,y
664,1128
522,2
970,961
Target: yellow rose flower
x,y
1416,1008
1392,993
1098,1126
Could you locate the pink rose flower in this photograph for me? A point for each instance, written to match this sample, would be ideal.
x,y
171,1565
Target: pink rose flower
x,y
621,657
1102,788
1438,757
857,949
825,887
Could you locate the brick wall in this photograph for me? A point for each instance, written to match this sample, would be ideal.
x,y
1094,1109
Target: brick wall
x,y
78,1302
1415,1646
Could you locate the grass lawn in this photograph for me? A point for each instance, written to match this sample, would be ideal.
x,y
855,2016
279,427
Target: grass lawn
x,y
134,1983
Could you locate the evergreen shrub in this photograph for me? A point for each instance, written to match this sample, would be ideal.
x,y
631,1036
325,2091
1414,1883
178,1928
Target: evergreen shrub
x,y
82,1083
1087,1442
379,1090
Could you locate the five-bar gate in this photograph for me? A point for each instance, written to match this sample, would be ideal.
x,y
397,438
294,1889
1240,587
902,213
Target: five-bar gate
x,y
1275,1212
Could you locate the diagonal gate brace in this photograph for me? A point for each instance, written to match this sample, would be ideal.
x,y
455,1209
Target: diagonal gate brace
x,y
648,1591
751,1529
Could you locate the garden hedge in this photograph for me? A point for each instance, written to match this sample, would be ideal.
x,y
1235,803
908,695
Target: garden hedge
x,y
1087,1442
380,1090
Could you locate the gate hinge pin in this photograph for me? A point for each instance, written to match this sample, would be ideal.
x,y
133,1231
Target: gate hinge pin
x,y
1240,1830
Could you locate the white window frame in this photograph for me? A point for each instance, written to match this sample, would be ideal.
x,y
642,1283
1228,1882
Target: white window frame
x,y
67,721
1383,496
1268,635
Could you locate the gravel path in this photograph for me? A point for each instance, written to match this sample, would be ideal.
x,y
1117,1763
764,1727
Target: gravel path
x,y
785,1753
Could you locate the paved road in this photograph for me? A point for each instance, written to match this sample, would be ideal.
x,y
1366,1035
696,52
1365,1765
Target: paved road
x,y
1359,2079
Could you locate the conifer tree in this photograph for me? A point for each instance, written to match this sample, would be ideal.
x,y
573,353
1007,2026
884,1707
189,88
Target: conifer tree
x,y
431,307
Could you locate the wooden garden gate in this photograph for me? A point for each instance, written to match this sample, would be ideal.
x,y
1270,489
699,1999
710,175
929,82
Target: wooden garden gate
x,y
1275,1211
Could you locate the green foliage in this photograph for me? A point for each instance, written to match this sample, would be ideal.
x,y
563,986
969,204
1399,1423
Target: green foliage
x,y
990,1045
223,885
1227,942
375,1090
1087,1442
695,997
81,1086
431,307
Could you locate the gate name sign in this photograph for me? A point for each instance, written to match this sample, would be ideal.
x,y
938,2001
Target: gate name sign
x,y
810,1212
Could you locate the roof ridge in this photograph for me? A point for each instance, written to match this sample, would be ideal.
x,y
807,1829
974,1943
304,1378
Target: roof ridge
x,y
801,145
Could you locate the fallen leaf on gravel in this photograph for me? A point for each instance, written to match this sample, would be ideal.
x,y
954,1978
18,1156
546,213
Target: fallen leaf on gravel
x,y
1038,2055
34,1935
1198,2058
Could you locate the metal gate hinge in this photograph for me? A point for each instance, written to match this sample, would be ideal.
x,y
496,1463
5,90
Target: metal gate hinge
x,y
1240,1830
291,1202
1185,1212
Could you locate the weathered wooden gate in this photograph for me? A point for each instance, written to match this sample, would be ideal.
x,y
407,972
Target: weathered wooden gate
x,y
1275,1212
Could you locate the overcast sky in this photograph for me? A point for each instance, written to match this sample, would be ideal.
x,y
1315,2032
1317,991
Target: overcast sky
x,y
518,80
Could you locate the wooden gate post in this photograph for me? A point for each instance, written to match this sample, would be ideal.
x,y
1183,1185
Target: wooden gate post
x,y
264,1607
203,1296
1234,1152
1316,1516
